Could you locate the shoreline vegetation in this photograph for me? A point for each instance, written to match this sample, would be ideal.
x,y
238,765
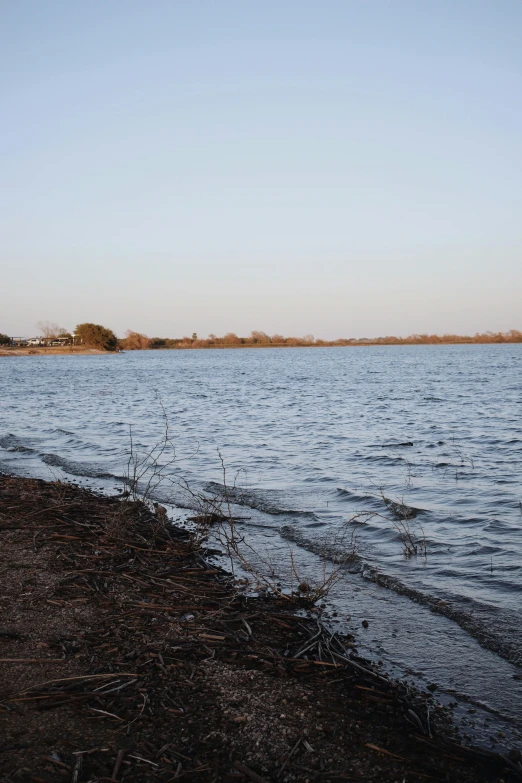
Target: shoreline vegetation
x,y
94,338
129,655
262,340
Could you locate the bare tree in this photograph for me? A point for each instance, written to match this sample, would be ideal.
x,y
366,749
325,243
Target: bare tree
x,y
50,329
259,337
231,339
135,341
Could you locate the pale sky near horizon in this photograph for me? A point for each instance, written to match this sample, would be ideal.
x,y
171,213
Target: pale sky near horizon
x,y
341,168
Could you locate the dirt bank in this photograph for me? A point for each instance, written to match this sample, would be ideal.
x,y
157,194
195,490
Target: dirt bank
x,y
126,656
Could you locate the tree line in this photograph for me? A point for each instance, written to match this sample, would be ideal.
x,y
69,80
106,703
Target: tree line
x,y
100,337
137,341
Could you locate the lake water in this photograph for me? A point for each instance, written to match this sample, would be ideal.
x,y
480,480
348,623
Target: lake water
x,y
311,437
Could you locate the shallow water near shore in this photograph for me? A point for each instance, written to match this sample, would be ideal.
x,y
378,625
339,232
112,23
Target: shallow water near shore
x,y
318,435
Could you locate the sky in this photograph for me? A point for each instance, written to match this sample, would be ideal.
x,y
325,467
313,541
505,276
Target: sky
x,y
342,168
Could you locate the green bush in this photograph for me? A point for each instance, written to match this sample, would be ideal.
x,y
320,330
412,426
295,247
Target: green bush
x,y
96,336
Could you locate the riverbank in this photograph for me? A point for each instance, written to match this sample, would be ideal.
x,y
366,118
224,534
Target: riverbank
x,y
318,344
126,655
51,351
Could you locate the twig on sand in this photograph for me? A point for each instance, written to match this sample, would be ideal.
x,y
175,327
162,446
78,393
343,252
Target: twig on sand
x,y
289,757
248,772
117,764
77,769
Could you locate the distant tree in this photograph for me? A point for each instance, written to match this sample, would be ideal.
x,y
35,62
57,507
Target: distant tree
x,y
259,337
50,330
96,336
231,339
194,336
134,341
515,336
278,338
158,342
4,339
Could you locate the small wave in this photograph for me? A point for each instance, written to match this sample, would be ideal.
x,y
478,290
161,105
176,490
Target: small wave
x,y
393,445
494,629
11,442
400,510
255,500
78,468
339,552
386,459
350,494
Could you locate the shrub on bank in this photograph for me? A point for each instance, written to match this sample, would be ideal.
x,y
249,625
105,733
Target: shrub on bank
x,y
134,341
96,336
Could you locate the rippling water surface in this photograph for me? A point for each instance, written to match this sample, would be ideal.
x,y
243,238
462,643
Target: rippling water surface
x,y
433,432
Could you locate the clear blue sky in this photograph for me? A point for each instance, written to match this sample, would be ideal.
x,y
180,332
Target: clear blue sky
x,y
344,168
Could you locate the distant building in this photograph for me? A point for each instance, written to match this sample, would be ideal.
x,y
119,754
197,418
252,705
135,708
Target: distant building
x,y
42,341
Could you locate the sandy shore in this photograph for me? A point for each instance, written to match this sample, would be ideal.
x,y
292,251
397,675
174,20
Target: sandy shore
x,y
126,655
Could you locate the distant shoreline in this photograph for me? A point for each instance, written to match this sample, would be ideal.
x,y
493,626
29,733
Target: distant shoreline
x,y
89,338
81,351
68,350
316,345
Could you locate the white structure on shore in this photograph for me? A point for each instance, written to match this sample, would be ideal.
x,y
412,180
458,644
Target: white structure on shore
x,y
42,341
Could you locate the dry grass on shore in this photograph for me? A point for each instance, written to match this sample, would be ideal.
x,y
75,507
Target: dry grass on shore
x,y
126,656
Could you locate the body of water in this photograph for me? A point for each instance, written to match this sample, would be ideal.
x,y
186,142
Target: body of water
x,y
327,448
